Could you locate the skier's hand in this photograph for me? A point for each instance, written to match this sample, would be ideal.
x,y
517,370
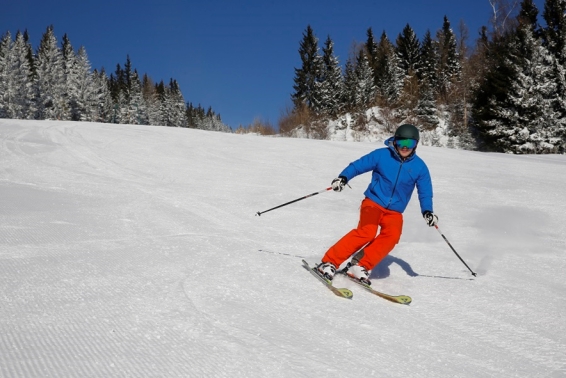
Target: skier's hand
x,y
338,183
430,218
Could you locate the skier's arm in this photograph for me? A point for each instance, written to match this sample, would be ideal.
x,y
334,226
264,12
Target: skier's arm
x,y
364,164
424,189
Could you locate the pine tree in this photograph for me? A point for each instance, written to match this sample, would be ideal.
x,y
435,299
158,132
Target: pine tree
x,y
389,74
5,67
528,15
449,68
555,31
408,47
136,104
408,52
531,114
103,110
126,113
22,80
559,103
50,85
70,80
554,38
83,95
30,57
426,110
198,119
162,97
309,73
366,86
372,54
350,86
331,82
16,92
429,59
491,97
177,105
152,101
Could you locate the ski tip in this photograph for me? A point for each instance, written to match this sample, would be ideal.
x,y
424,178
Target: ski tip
x,y
403,299
346,293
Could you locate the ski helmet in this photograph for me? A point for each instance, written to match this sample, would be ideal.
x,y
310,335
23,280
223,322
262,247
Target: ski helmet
x,y
407,131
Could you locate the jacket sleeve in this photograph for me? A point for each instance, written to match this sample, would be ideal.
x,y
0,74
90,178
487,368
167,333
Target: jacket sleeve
x,y
364,164
424,189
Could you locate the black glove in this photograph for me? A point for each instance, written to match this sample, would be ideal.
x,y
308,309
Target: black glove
x,y
338,183
430,218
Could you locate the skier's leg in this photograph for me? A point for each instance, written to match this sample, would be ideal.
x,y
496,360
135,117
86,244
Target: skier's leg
x,y
391,226
370,215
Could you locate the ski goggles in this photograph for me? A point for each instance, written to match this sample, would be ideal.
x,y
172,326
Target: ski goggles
x,y
406,143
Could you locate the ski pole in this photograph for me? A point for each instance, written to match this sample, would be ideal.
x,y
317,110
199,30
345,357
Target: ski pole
x,y
453,250
290,202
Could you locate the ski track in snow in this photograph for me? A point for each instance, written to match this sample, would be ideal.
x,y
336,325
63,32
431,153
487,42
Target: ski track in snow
x,y
134,251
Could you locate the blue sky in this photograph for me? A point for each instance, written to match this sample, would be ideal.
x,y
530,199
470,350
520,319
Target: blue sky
x,y
236,56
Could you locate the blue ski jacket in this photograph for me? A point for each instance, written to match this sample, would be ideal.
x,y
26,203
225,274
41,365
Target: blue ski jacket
x,y
393,179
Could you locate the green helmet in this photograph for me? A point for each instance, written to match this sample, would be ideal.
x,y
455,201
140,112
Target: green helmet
x,y
407,131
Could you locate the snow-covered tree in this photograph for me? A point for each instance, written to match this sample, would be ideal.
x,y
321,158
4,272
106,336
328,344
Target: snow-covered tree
x,y
559,77
5,75
429,60
83,96
426,110
199,119
172,105
306,77
527,123
137,109
365,91
152,101
331,84
16,87
449,68
177,116
372,53
103,105
555,31
70,80
23,78
389,75
350,86
51,99
490,99
408,50
528,15
80,91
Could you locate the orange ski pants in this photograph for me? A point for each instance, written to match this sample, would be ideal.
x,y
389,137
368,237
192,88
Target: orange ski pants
x,y
372,217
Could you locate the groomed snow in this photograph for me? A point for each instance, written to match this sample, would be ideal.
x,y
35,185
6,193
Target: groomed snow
x,y
134,251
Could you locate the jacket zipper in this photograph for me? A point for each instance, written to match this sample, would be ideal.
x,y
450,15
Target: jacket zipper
x,y
395,185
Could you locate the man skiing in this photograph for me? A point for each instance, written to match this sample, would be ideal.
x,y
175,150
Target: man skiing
x,y
396,170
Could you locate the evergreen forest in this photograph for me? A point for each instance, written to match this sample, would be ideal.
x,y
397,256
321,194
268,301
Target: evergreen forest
x,y
506,93
58,83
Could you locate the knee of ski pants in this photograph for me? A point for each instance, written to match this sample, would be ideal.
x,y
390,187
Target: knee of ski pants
x,y
370,216
391,227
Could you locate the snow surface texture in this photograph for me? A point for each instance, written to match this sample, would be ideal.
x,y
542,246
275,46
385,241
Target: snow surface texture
x,y
133,251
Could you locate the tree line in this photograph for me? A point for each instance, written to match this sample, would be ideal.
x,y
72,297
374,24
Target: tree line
x,y
58,83
507,93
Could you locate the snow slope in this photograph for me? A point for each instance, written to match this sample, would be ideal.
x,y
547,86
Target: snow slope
x,y
133,251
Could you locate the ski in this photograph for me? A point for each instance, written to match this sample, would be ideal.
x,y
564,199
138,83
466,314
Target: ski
x,y
402,299
341,292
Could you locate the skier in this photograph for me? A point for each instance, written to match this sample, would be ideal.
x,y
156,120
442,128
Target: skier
x,y
396,171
